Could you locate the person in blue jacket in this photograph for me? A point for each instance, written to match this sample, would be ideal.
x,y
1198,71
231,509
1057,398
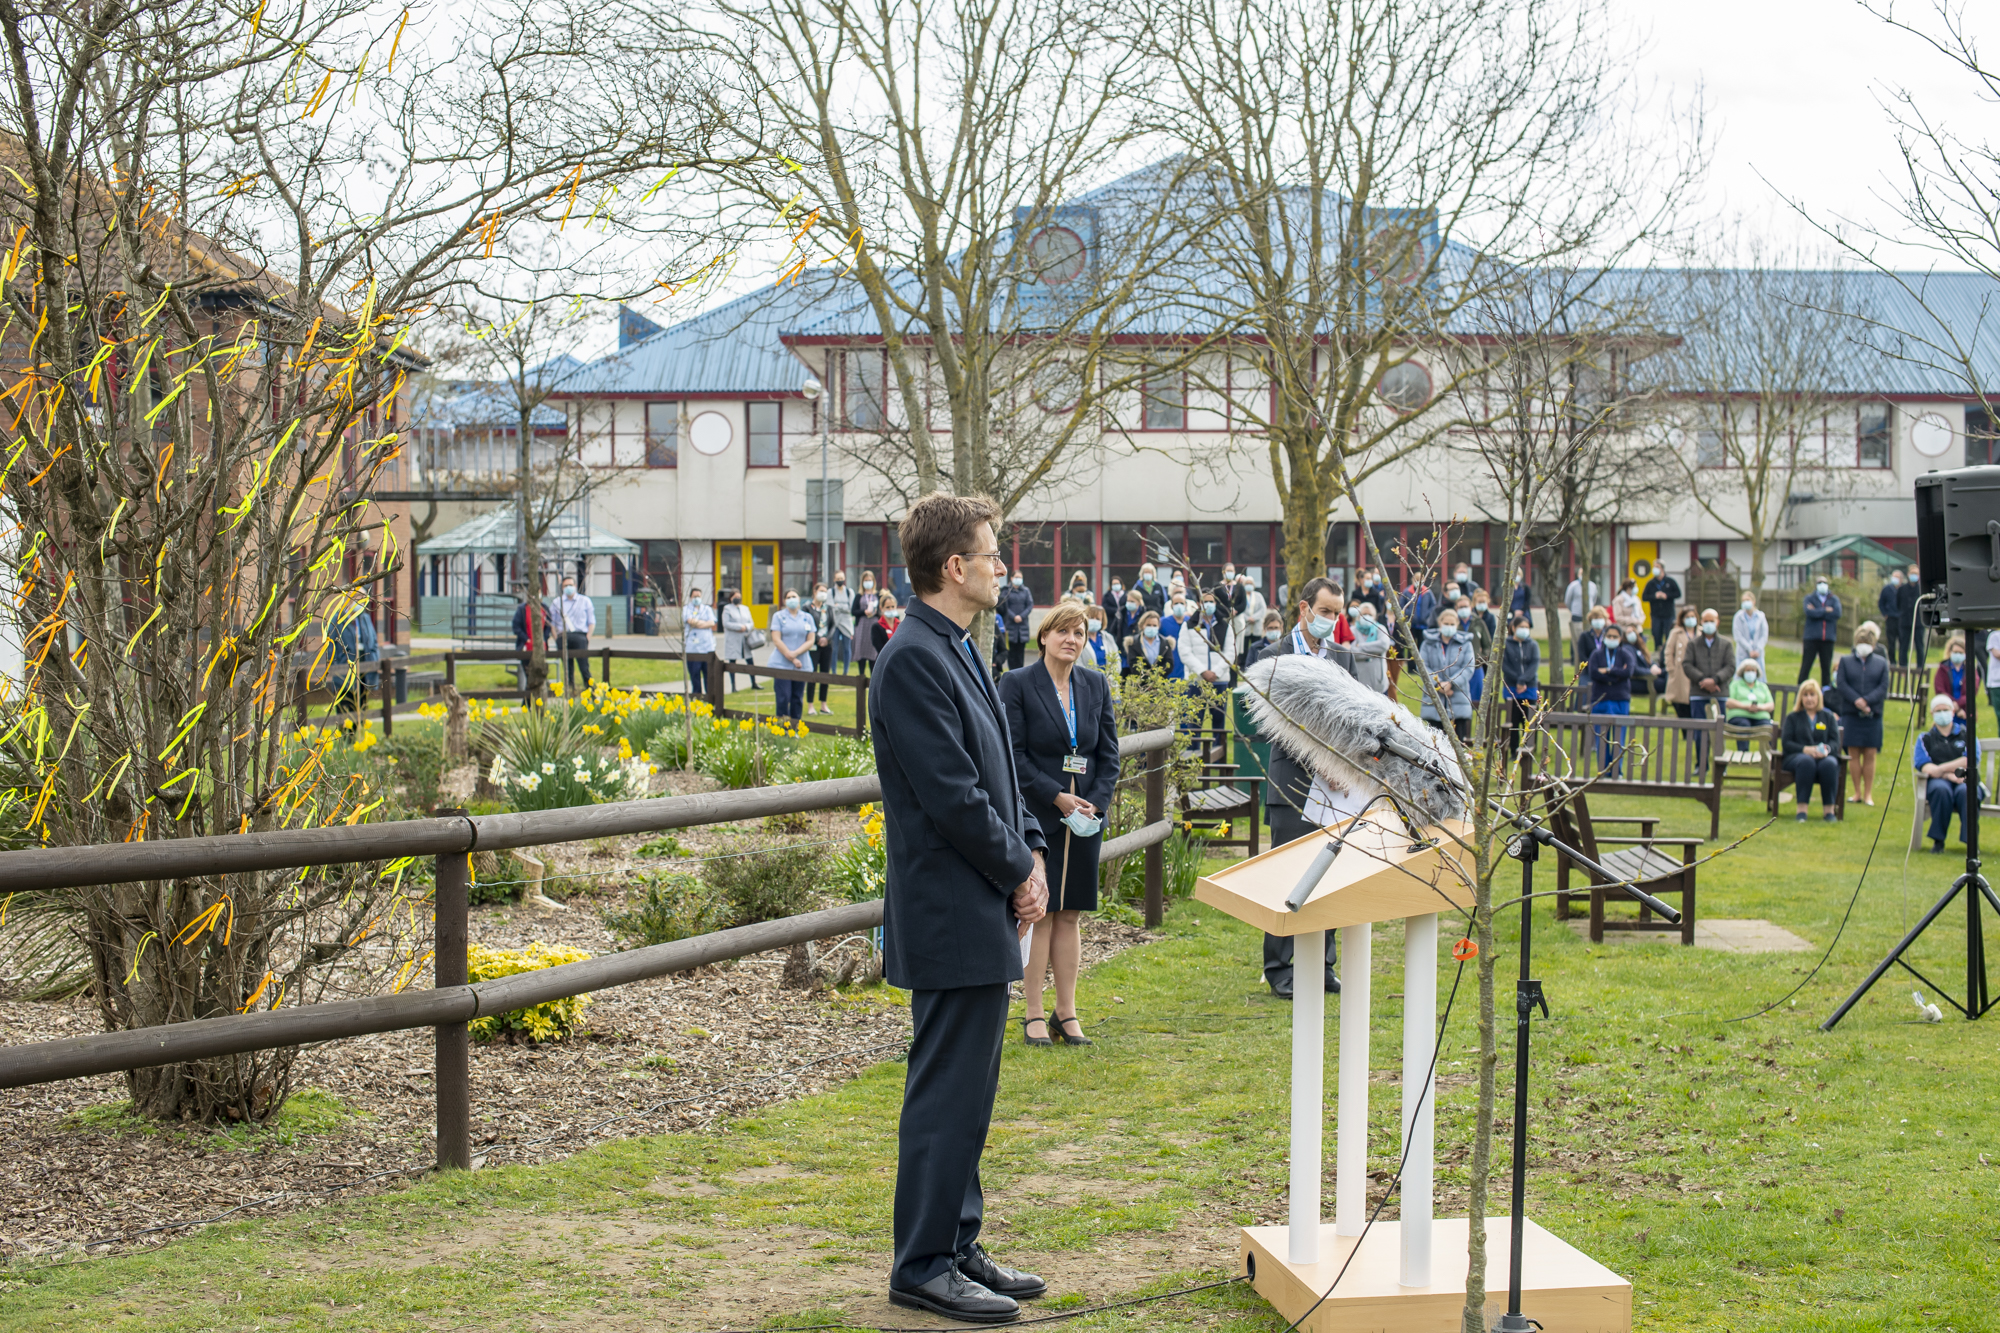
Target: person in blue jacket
x,y
1822,628
354,642
1608,675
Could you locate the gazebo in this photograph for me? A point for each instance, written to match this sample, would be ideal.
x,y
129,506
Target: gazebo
x,y
466,576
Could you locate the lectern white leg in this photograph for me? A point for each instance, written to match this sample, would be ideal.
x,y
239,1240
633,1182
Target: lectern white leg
x,y
1419,1101
1350,1151
1308,1090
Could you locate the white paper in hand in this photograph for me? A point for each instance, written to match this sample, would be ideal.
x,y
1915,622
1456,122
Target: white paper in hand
x,y
1027,942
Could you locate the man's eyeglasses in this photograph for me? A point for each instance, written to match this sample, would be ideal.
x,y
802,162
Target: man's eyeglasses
x,y
999,561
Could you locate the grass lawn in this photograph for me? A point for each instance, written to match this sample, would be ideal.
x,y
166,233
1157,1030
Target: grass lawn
x,y
1755,1175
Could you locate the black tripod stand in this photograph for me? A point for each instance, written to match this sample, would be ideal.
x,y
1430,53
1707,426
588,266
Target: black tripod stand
x,y
1978,994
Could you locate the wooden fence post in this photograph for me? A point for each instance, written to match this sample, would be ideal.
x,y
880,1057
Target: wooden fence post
x,y
715,690
861,707
454,1042
607,665
450,668
1156,810
385,682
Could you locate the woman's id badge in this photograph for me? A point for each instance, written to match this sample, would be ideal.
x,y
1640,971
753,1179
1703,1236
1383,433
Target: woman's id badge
x,y
1075,763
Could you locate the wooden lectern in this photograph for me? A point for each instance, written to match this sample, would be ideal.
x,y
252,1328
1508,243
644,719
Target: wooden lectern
x,y
1395,1283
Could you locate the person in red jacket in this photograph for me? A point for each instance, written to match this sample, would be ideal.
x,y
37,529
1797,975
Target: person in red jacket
x,y
1957,675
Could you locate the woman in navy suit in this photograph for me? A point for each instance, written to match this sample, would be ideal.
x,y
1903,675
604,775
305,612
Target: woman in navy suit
x,y
1065,739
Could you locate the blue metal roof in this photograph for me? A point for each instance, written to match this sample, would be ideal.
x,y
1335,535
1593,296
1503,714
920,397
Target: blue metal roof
x,y
1900,322
444,404
731,349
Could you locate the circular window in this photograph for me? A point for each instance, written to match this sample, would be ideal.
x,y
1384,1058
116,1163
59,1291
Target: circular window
x,y
1057,254
1405,387
710,433
1931,435
1056,386
1395,254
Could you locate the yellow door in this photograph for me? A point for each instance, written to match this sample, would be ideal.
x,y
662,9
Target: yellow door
x,y
1642,561
750,568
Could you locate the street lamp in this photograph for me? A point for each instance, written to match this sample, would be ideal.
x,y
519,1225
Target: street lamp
x,y
813,389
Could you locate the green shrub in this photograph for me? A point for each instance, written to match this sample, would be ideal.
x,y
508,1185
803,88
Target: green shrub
x,y
765,885
414,756
860,870
673,906
552,1020
665,845
1183,853
661,734
496,878
825,758
550,756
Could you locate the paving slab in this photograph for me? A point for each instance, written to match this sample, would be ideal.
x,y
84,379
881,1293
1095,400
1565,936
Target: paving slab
x,y
1729,936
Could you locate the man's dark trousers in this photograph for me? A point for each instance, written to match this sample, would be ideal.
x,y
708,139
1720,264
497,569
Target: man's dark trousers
x,y
577,644
1288,825
948,1091
1896,633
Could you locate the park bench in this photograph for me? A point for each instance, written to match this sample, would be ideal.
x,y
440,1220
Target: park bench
x,y
1224,795
1633,756
1641,860
1910,684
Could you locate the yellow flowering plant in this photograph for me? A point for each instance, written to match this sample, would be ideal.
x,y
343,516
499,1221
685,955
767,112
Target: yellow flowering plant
x,y
551,1020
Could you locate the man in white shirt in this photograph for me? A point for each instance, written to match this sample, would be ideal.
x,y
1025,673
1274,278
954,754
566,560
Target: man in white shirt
x,y
1576,603
574,617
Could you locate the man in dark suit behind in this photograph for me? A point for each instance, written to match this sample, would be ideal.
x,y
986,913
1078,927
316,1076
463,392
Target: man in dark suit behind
x,y
1285,793
965,881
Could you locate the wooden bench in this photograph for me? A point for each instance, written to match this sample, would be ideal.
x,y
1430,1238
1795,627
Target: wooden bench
x,y
1633,756
1640,861
1224,797
1911,684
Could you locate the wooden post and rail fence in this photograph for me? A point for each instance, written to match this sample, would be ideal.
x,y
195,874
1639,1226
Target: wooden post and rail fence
x,y
452,1004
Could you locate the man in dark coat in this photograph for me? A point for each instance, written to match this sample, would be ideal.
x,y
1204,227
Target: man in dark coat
x,y
1661,595
1285,793
1911,648
1895,630
1016,605
965,880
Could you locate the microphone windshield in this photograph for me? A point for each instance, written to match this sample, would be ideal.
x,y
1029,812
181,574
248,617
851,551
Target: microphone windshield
x,y
1358,740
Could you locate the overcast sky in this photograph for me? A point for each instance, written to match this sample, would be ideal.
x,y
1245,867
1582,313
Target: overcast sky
x,y
1795,91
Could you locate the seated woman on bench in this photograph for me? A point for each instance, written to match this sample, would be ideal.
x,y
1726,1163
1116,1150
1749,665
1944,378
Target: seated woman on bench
x,y
1941,760
1811,736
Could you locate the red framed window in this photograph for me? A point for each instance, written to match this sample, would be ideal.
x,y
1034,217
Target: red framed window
x,y
766,434
663,434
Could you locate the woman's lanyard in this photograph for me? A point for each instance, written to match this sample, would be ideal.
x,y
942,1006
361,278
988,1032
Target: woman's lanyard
x,y
1072,762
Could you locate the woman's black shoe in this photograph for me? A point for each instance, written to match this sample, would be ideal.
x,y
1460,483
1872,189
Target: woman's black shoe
x,y
1032,1040
1079,1039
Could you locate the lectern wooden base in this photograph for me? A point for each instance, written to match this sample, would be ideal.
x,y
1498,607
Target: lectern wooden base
x,y
1563,1288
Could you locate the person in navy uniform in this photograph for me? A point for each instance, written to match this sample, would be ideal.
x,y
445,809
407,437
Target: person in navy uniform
x,y
965,882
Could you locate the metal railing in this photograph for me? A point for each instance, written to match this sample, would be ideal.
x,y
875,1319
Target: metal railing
x,y
452,1004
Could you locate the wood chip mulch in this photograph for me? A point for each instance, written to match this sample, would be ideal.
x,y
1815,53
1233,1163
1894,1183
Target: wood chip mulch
x,y
672,1054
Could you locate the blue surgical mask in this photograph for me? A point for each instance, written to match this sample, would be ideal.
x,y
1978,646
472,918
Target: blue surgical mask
x,y
1523,633
1958,659
791,603
1320,627
1943,718
1151,632
1084,826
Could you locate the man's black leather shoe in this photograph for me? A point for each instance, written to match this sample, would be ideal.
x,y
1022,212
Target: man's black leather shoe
x,y
1332,984
978,1265
956,1296
1282,988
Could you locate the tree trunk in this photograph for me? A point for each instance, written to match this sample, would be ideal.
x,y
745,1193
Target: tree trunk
x,y
1481,1166
1305,502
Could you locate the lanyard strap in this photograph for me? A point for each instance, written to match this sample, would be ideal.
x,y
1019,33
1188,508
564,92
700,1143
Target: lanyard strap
x,y
1068,709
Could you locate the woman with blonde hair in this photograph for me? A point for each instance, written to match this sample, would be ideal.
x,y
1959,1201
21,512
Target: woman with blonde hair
x,y
1810,736
1861,691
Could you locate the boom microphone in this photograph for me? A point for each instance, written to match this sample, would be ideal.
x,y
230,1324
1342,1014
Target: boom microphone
x,y
1358,740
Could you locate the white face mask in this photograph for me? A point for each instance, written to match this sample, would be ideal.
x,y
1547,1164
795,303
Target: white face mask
x,y
1942,717
1862,650
791,603
1523,633
1016,580
1480,607
1820,588
867,580
1958,659
1749,677
1688,621
1597,622
1749,605
1095,625
1708,628
1447,628
695,600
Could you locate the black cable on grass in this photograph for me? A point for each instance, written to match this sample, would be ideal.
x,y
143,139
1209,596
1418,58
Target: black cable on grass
x,y
1888,803
1018,1323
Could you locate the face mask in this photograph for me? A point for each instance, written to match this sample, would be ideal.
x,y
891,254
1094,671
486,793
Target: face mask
x,y
1480,607
1016,580
1151,632
1146,579
1862,650
868,581
1208,608
819,596
1689,622
1749,677
1116,586
1708,629
892,616
1523,633
1274,634
1597,622
1320,627
1178,610
1820,588
1610,642
1462,575
791,603
1942,717
1096,625
1447,629
1132,606
1228,574
1958,659
1084,826
569,590
1749,605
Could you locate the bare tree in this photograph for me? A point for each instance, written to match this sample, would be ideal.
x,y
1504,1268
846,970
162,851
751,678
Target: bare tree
x,y
1375,169
945,154
221,226
1754,378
